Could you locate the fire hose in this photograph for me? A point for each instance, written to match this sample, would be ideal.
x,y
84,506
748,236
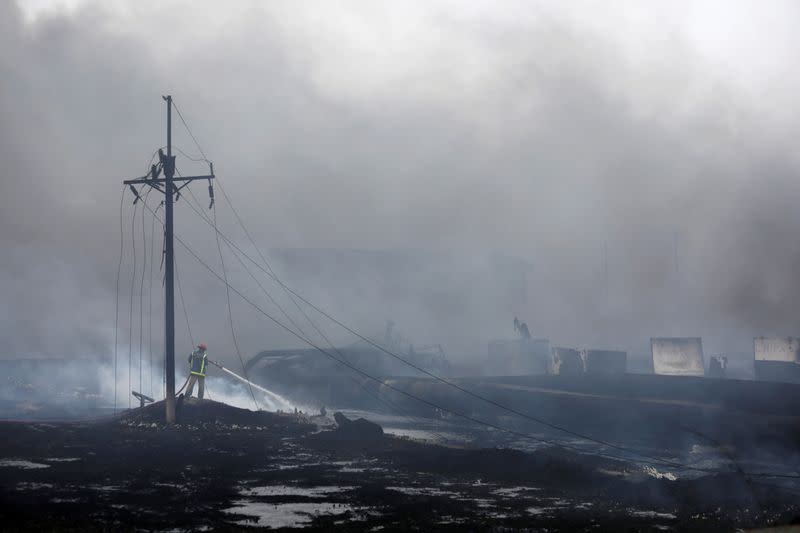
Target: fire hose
x,y
254,385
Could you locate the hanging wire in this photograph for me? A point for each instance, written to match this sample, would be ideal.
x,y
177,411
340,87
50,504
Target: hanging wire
x,y
189,131
650,460
141,289
373,394
183,303
116,298
230,312
440,379
150,297
130,314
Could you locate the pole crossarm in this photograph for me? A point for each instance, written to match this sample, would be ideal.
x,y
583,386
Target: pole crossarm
x,y
148,181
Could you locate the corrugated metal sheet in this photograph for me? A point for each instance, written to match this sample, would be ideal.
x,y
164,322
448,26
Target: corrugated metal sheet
x,y
605,362
566,361
785,349
519,357
777,371
678,356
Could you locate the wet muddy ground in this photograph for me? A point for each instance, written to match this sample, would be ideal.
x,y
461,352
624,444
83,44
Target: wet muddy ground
x,y
233,469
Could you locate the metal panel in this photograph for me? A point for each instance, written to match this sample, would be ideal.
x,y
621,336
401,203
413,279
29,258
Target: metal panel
x,y
519,357
566,361
604,361
678,356
777,371
785,349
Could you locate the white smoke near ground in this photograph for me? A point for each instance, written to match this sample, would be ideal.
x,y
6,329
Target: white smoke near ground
x,y
64,383
121,381
223,390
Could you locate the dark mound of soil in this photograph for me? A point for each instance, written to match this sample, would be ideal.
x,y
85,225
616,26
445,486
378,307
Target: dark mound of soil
x,y
359,429
196,412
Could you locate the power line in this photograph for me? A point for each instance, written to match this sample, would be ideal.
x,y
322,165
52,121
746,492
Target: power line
x,y
475,420
400,358
130,314
396,356
230,311
269,267
664,462
376,396
346,363
199,212
190,158
186,316
141,290
150,296
358,370
185,125
116,298
219,248
383,349
183,303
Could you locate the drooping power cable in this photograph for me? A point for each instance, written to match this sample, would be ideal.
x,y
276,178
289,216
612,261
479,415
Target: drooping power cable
x,y
230,311
116,299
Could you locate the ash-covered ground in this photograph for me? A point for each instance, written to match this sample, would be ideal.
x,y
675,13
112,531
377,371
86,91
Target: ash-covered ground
x,y
227,468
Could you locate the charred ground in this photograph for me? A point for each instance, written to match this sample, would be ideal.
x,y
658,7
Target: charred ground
x,y
228,468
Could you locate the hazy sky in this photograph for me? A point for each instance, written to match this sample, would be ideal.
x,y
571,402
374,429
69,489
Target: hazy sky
x,y
538,129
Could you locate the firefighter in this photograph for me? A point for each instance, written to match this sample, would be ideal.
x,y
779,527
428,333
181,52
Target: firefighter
x,y
198,360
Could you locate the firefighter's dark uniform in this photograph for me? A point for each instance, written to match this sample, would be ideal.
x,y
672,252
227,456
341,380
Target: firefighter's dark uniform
x,y
197,368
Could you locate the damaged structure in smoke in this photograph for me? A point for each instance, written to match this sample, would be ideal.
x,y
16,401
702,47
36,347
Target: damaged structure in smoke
x,y
777,359
678,356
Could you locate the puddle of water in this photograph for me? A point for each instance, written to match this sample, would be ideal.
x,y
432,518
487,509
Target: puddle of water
x,y
445,520
168,485
424,491
540,511
513,492
21,463
354,470
289,466
285,514
484,503
615,473
33,486
65,500
103,488
288,490
357,467
425,435
653,514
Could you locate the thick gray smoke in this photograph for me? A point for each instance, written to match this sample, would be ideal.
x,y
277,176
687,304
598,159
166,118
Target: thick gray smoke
x,y
663,135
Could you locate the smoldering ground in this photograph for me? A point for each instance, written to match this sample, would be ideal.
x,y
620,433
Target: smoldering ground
x,y
539,130
82,388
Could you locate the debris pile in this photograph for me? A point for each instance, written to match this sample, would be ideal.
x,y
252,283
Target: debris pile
x,y
359,429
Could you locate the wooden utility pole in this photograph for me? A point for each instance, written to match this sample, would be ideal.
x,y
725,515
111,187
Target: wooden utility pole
x,y
170,191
